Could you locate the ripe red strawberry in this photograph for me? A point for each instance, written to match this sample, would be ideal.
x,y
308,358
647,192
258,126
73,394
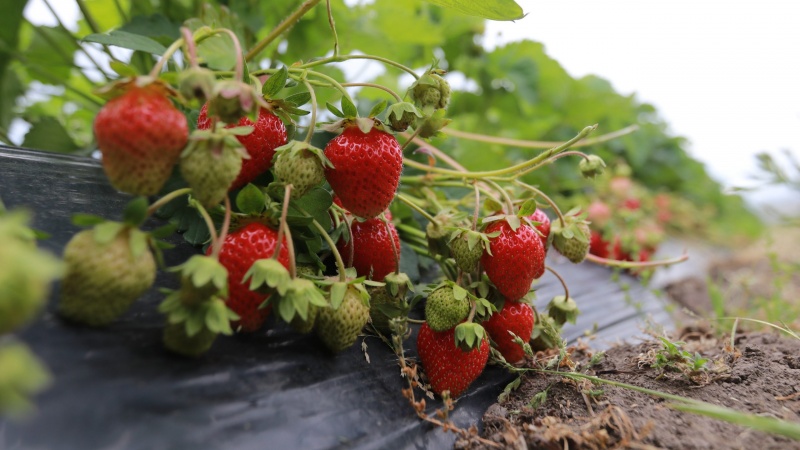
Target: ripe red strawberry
x,y
598,246
516,317
366,169
371,247
516,259
448,367
544,225
141,135
269,133
240,250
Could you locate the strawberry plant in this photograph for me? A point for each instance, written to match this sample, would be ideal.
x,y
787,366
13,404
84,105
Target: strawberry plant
x,y
302,194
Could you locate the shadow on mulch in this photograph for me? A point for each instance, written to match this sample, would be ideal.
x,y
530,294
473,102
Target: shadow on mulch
x,y
764,379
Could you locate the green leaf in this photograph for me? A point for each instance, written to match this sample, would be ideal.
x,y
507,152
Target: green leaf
x,y
275,83
127,40
488,9
348,108
250,200
155,26
122,69
135,211
316,203
50,135
377,109
217,52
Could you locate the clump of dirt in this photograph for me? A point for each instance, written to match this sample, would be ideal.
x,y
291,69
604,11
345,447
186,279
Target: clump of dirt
x,y
761,375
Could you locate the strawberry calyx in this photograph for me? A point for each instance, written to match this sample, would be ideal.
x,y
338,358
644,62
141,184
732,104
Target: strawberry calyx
x,y
201,278
563,309
469,336
122,86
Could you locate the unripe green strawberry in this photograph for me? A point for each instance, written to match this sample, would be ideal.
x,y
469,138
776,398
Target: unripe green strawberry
x,y
339,328
300,165
104,278
210,164
443,311
378,298
177,340
571,241
467,250
305,326
431,91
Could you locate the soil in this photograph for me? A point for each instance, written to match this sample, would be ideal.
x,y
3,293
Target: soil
x,y
760,375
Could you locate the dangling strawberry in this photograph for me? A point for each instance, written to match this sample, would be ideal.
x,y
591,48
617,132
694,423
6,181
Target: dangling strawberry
x,y
449,368
516,317
105,274
269,133
339,328
301,165
239,251
371,245
366,169
141,135
543,227
210,164
514,259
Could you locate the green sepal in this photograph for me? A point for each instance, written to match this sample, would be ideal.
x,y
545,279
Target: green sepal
x,y
138,242
484,309
299,99
106,232
469,336
527,208
86,220
300,296
275,83
338,289
563,309
335,111
348,108
268,274
202,270
250,200
123,70
377,109
218,316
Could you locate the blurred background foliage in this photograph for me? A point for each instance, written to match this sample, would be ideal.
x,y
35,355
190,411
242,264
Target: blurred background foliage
x,y
47,75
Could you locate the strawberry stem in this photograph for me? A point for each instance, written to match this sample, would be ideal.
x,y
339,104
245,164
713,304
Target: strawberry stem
x,y
327,237
376,86
290,248
281,28
343,58
563,283
166,199
410,139
284,212
223,233
477,211
538,144
507,198
165,57
514,170
209,223
332,23
636,265
191,48
313,124
237,47
415,207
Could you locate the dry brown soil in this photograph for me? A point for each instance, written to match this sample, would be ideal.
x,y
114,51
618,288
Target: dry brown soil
x,y
760,376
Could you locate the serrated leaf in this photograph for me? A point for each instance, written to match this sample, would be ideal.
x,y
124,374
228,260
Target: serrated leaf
x,y
487,9
348,108
250,200
338,291
275,83
334,110
124,39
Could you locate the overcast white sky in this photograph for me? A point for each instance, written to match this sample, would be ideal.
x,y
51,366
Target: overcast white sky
x,y
724,74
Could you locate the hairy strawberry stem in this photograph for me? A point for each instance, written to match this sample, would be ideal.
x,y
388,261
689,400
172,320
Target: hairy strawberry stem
x,y
636,265
290,248
376,86
411,204
212,230
166,199
223,232
547,199
513,170
538,144
191,48
563,283
332,23
284,212
237,48
506,198
313,124
165,57
287,23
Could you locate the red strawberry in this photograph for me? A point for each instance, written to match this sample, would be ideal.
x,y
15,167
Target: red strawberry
x,y
544,225
598,246
631,204
366,171
268,134
448,367
516,317
516,259
598,213
240,250
141,135
371,246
